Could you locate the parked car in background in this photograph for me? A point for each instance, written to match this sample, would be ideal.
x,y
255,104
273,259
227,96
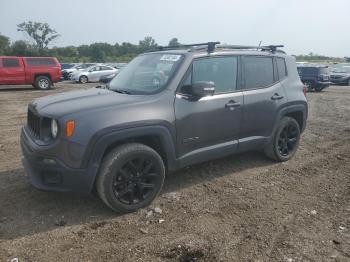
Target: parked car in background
x,y
340,74
107,78
67,65
92,74
67,72
40,72
116,65
315,77
203,108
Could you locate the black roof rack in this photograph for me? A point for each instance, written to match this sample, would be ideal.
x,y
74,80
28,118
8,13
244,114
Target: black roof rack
x,y
270,48
210,46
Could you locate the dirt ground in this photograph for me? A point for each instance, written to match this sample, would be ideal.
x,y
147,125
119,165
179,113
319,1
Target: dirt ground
x,y
239,208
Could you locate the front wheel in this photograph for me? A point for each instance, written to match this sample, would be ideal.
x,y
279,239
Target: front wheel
x,y
131,176
285,140
42,83
83,79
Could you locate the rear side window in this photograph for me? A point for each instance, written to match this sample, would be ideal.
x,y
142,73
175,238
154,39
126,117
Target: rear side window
x,y
307,70
220,70
258,72
281,67
40,61
10,62
324,70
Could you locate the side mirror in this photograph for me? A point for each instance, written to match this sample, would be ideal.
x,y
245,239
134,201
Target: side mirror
x,y
202,89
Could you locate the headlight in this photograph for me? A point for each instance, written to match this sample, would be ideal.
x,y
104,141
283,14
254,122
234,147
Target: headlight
x,y
54,128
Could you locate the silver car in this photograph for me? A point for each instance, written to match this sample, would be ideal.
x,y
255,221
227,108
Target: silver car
x,y
92,74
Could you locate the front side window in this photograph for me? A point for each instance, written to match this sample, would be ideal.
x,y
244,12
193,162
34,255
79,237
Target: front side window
x,y
106,68
146,73
95,68
258,72
220,70
10,62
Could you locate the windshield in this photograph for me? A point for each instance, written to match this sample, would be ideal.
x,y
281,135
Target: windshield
x,y
146,74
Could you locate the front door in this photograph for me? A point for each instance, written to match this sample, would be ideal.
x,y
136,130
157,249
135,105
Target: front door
x,y
12,71
212,121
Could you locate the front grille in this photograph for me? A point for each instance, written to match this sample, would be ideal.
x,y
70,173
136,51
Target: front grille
x,y
34,122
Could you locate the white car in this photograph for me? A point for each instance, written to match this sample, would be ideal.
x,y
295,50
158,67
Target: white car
x,y
92,74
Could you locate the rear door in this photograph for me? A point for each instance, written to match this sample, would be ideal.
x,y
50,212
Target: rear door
x,y
263,94
12,71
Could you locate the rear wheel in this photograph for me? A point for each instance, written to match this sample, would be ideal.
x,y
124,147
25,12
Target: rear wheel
x,y
131,176
83,79
309,85
318,88
42,83
285,140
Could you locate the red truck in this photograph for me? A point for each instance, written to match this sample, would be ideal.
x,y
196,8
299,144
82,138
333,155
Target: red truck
x,y
40,72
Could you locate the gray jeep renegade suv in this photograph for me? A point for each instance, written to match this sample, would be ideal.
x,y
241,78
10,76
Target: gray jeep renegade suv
x,y
169,108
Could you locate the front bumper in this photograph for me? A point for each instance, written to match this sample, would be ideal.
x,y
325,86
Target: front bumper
x,y
50,174
323,83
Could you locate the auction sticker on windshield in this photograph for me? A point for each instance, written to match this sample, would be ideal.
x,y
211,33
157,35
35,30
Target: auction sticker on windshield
x,y
172,58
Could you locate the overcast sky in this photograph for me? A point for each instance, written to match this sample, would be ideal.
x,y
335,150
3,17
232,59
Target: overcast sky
x,y
303,26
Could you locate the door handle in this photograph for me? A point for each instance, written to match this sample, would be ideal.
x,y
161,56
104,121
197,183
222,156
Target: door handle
x,y
232,103
276,97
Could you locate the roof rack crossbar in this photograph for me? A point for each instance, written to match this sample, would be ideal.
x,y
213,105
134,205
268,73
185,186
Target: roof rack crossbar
x,y
271,48
210,46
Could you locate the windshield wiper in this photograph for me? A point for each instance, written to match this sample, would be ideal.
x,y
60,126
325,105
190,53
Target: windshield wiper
x,y
102,87
121,91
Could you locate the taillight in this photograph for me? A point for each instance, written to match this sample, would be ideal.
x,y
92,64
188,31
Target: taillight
x,y
305,90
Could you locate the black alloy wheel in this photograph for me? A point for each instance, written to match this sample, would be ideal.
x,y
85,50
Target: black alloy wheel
x,y
130,177
288,139
135,180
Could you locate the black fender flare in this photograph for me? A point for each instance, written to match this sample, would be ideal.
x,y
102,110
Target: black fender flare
x,y
300,107
102,140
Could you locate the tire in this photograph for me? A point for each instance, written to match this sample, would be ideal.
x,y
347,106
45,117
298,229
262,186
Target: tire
x,y
309,85
318,88
130,177
276,149
83,79
43,83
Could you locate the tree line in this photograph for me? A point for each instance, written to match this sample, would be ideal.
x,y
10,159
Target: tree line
x,y
40,35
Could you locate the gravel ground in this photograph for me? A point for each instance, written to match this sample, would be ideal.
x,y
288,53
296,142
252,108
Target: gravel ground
x,y
239,208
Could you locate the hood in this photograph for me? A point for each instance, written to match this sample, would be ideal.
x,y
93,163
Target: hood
x,y
63,104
